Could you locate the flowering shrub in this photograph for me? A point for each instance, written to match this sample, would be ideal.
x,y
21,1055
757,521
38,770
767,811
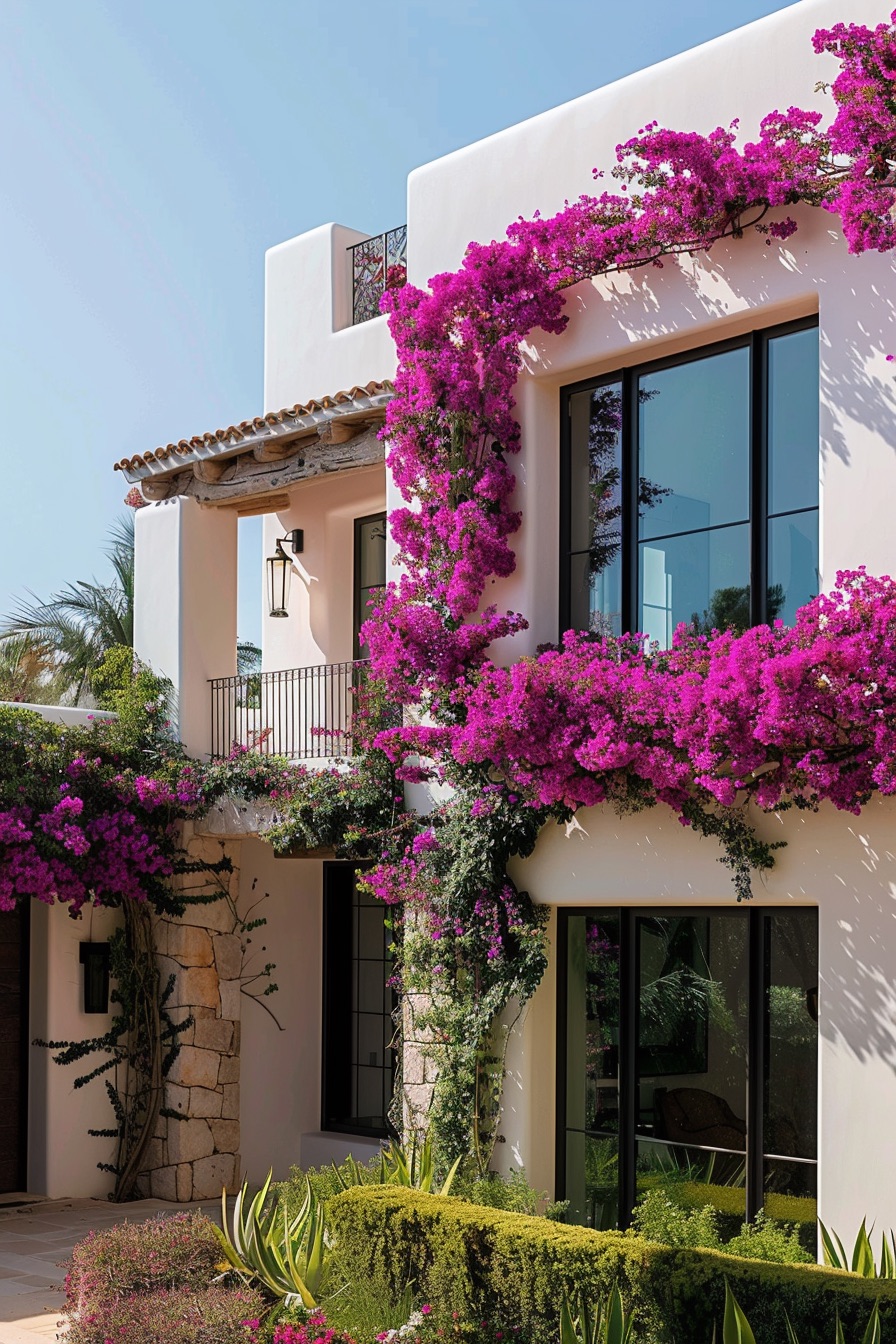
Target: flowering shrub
x,y
312,1331
213,1315
180,1251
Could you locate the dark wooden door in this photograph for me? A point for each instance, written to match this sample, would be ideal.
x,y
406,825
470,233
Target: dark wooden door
x,y
13,1046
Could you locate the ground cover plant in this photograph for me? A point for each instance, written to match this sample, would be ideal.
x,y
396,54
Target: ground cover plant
x,y
138,1283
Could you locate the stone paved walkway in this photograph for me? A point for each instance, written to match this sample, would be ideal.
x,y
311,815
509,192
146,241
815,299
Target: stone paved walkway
x,y
34,1238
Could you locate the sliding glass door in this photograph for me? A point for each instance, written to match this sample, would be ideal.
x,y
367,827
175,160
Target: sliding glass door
x,y
688,1051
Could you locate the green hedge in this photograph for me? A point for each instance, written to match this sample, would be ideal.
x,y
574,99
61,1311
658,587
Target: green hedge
x,y
511,1267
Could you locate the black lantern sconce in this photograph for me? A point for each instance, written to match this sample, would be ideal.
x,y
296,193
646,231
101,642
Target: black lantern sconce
x,y
279,570
95,960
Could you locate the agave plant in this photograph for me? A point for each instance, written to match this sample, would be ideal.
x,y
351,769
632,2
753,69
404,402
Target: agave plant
x,y
413,1167
289,1256
604,1323
862,1260
736,1328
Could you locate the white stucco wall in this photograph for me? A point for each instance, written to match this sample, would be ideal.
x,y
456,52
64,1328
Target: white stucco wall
x,y
319,628
280,1082
185,605
311,348
62,1157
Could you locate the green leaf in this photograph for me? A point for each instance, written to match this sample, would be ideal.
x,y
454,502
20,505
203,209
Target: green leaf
x,y
736,1327
863,1255
568,1333
872,1330
791,1333
832,1248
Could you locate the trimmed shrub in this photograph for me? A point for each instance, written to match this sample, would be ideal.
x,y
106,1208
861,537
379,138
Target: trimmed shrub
x,y
177,1251
465,1258
172,1316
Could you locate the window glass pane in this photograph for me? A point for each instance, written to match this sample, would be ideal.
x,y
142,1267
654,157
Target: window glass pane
x,y
595,600
793,576
703,578
592,1068
792,951
372,553
793,421
694,444
595,495
692,1033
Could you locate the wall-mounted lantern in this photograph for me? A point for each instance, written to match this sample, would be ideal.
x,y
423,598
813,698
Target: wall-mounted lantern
x,y
279,570
95,960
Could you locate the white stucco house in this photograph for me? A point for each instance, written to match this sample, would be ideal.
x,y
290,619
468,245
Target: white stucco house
x,y
772,1066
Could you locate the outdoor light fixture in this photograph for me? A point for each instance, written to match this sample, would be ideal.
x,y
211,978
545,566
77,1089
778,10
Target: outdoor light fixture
x,y
279,569
95,960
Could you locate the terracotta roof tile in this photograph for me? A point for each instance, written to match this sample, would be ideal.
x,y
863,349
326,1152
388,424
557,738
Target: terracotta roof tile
x,y
274,424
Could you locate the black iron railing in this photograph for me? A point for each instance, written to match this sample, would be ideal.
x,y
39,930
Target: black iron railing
x,y
378,264
301,713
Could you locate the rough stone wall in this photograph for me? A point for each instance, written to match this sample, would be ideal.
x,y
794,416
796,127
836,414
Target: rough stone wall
x,y
419,1068
194,1157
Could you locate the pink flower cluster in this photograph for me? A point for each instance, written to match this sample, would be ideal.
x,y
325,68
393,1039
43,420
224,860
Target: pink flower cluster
x,y
776,713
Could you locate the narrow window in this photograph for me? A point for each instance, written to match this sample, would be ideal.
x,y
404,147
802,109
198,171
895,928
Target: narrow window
x,y
370,571
358,1005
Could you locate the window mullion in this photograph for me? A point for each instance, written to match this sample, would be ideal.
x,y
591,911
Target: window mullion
x,y
630,482
628,1063
758,478
757,1055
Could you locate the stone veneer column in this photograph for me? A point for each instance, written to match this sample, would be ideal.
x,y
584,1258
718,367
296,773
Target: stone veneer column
x,y
419,1068
195,1156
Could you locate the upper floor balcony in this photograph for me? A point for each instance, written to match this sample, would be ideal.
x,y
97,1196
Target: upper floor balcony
x,y
302,713
378,263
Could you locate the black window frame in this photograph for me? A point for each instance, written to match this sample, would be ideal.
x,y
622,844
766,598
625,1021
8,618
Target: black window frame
x,y
359,608
757,342
336,1007
758,950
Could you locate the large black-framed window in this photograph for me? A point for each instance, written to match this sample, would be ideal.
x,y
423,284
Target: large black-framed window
x,y
687,1056
689,488
358,1004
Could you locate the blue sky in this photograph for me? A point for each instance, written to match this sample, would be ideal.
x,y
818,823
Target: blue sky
x,y
151,151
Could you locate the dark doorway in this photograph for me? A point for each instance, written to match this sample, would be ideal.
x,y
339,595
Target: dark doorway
x,y
13,1047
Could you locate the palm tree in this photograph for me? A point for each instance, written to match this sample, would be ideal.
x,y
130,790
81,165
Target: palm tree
x,y
26,671
64,639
